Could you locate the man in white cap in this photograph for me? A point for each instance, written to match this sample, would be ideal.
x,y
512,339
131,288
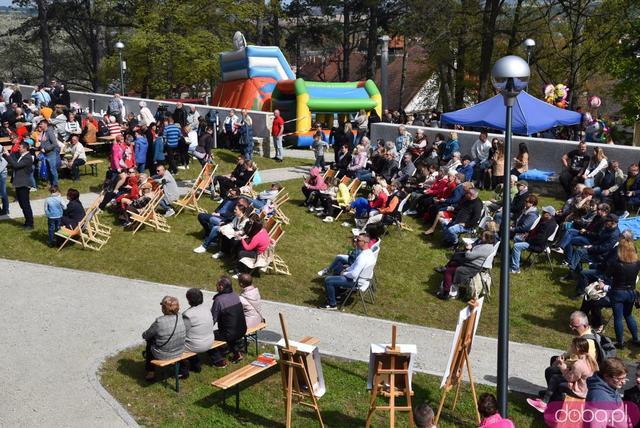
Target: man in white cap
x,y
536,239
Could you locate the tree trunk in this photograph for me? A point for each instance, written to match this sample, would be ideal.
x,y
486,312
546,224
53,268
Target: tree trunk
x,y
259,22
94,45
346,45
489,18
445,98
459,73
515,24
403,75
44,40
275,13
372,42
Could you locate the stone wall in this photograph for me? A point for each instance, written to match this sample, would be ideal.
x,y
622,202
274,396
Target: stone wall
x,y
544,154
261,120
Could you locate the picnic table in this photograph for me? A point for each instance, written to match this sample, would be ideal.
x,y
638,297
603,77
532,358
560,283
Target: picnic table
x,y
107,139
5,141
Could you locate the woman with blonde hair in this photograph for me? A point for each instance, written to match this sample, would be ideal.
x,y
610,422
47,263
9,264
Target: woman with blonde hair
x,y
598,165
623,269
165,337
451,146
575,368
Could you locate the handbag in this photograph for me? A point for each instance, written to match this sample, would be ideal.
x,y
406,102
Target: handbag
x,y
592,293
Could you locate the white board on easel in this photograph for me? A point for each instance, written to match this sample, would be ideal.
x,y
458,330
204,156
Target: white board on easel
x,y
465,313
313,363
378,350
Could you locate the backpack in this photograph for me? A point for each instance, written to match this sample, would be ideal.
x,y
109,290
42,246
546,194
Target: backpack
x,y
103,130
605,348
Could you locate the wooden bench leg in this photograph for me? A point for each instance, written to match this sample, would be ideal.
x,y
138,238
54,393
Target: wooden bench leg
x,y
94,170
177,370
238,398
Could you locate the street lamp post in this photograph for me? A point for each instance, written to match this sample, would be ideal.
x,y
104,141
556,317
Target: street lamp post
x,y
529,45
120,47
510,75
384,62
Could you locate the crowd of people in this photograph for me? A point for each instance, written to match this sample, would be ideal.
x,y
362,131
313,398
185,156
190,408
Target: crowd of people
x,y
231,314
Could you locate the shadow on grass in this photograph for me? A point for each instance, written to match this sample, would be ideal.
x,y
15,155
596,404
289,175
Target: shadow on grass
x,y
134,369
556,322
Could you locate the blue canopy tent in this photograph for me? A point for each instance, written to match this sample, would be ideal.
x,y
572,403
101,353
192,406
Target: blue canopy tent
x,y
530,115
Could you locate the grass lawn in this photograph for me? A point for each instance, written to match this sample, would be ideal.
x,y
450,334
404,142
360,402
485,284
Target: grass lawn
x,y
540,304
345,403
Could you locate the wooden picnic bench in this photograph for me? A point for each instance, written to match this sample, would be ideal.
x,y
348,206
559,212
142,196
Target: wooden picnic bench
x,y
245,373
252,332
93,165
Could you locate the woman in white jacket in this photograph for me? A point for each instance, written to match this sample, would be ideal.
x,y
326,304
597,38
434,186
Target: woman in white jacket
x,y
146,118
250,298
597,165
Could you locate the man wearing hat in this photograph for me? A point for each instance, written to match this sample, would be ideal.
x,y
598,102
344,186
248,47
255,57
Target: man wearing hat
x,y
536,239
598,250
466,168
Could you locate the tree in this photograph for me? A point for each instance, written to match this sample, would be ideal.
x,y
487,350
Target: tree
x,y
624,64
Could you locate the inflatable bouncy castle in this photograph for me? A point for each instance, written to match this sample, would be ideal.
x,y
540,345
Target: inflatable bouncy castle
x,y
259,78
303,103
249,75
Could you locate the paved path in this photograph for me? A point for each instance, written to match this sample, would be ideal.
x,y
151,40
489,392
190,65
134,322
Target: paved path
x,y
60,324
268,176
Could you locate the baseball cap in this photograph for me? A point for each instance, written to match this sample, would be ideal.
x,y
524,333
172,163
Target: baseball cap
x,y
549,209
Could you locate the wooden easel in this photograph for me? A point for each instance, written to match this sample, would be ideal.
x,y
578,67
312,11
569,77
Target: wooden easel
x,y
291,367
394,352
460,359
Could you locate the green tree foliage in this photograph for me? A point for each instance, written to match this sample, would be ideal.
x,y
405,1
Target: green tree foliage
x,y
173,45
624,64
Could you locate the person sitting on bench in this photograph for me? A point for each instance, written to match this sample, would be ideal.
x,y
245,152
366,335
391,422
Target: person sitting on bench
x,y
165,337
198,325
228,314
250,298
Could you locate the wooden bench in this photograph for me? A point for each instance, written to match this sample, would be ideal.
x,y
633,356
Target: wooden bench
x,y
93,164
253,333
176,361
235,378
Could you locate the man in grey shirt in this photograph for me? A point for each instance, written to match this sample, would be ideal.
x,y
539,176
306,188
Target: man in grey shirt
x,y
170,188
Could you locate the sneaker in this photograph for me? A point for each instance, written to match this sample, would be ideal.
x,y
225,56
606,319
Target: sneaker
x,y
320,213
328,219
329,307
235,276
126,224
182,167
515,272
217,255
311,209
237,357
220,364
625,214
169,212
410,212
199,250
33,189
323,272
346,224
537,404
440,269
557,250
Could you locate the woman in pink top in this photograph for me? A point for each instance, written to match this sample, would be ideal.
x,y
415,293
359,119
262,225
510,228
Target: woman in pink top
x,y
573,380
488,408
117,154
255,242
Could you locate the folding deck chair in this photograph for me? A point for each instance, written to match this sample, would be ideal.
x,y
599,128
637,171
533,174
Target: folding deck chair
x,y
202,183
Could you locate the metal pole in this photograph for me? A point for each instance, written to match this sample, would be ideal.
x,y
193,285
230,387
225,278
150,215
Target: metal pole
x,y
384,62
526,88
121,73
505,260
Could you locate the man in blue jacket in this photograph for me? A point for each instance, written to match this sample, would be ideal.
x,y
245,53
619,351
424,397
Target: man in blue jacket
x,y
597,250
